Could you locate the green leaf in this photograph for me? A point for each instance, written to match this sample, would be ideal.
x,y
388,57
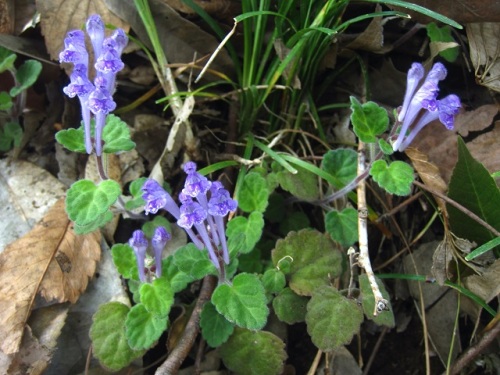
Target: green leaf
x,y
10,135
116,135
85,201
136,192
254,194
303,184
194,262
315,260
290,307
125,261
294,221
109,343
243,303
395,178
99,222
214,327
157,297
384,318
7,59
443,35
385,147
273,280
343,226
332,320
472,186
244,233
5,101
72,139
159,221
254,353
178,280
342,165
368,120
143,328
26,76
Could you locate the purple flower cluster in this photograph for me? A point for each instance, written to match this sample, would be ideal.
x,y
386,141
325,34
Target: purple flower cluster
x,y
140,244
421,106
95,98
204,204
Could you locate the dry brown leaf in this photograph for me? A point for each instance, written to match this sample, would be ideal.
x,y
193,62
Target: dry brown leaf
x,y
484,44
372,38
7,10
476,120
32,359
485,148
50,258
429,173
57,17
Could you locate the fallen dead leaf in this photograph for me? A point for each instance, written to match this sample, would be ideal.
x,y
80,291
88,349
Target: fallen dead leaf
x,y
32,359
429,173
484,45
50,259
57,17
372,38
476,120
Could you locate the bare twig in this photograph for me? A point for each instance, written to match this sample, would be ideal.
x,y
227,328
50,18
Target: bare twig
x,y
458,206
179,353
473,351
381,303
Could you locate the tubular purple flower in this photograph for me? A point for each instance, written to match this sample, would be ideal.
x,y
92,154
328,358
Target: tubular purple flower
x,y
74,49
447,108
100,101
120,39
219,205
95,29
420,106
415,75
196,184
157,198
109,61
191,213
159,240
139,244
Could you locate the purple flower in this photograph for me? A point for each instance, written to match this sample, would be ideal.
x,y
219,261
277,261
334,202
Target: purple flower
x,y
157,198
120,39
95,28
109,60
74,49
220,203
159,240
139,243
79,83
100,101
421,106
191,213
195,184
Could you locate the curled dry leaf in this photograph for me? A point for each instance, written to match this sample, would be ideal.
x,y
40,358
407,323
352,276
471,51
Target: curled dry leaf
x,y
484,44
50,259
429,173
57,17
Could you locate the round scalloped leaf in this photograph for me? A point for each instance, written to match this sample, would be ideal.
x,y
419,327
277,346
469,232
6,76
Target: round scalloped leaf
x,y
341,164
254,194
290,307
395,178
7,59
85,201
244,233
178,280
109,342
116,135
303,184
315,259
157,297
253,353
273,280
244,303
368,120
214,327
386,317
332,320
26,75
99,222
72,139
343,226
125,261
194,262
144,328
